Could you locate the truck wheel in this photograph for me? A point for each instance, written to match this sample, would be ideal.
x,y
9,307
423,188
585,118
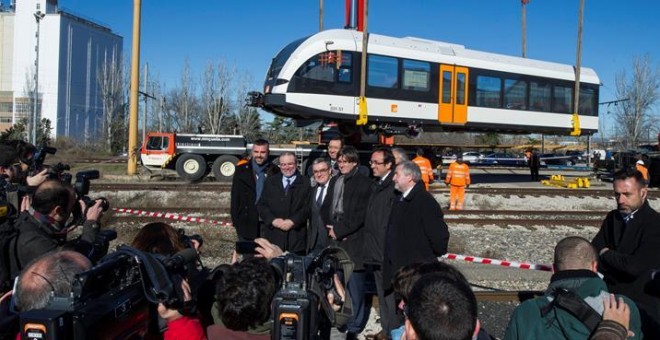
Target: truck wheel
x,y
224,167
191,167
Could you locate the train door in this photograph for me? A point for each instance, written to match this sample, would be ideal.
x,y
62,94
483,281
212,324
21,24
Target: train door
x,y
452,108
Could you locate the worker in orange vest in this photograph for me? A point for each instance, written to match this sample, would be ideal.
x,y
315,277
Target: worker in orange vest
x,y
425,167
641,167
458,178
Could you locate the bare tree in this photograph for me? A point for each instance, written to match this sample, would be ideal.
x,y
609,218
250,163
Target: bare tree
x,y
245,119
183,101
642,92
216,101
112,85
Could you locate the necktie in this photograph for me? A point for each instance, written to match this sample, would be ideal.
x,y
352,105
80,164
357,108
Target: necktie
x,y
288,184
319,198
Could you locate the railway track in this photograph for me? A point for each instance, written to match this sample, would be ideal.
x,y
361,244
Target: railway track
x,y
505,192
474,218
507,296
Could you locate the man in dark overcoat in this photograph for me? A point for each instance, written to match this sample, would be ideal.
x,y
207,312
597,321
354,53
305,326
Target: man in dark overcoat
x,y
284,207
629,248
416,231
246,188
345,223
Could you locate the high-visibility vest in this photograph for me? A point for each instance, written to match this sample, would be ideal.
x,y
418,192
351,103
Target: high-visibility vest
x,y
425,167
458,175
643,170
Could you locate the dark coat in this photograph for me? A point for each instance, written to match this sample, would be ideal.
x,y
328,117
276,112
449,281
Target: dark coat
x,y
293,205
416,232
316,220
633,253
244,215
378,214
349,228
36,238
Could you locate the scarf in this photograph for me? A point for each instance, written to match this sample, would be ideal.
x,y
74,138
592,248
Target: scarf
x,y
260,174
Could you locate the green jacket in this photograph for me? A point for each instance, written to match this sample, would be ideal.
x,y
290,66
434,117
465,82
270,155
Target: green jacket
x,y
528,321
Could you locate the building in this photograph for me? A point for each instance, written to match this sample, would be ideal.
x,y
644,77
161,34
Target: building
x,y
72,50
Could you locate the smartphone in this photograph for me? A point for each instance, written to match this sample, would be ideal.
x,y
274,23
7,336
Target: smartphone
x,y
246,247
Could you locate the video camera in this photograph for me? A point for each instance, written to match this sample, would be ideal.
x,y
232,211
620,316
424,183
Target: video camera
x,y
305,282
112,300
81,187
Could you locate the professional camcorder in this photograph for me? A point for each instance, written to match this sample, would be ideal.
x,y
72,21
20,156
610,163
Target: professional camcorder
x,y
112,300
305,282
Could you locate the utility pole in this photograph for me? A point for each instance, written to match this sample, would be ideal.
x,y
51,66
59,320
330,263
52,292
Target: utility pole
x,y
320,15
38,15
146,96
576,93
135,83
524,27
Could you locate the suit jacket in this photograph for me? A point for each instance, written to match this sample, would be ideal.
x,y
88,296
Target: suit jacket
x,y
316,223
292,204
634,252
416,232
244,215
349,226
378,214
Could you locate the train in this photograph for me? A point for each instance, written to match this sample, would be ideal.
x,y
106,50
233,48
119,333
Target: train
x,y
415,85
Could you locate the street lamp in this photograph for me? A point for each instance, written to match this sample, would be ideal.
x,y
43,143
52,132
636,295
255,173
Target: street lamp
x,y
38,15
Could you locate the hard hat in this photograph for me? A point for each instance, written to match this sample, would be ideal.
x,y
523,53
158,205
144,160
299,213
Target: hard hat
x,y
640,162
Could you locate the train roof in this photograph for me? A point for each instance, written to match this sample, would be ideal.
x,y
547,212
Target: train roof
x,y
444,52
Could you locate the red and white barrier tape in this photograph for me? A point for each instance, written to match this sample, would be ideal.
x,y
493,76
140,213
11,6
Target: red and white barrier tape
x,y
171,216
502,263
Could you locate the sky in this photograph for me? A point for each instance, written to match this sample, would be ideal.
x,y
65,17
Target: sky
x,y
249,33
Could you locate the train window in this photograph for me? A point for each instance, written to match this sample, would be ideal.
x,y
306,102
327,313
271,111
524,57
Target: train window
x,y
515,94
383,71
460,88
416,75
489,91
562,99
320,67
345,67
539,96
587,102
446,87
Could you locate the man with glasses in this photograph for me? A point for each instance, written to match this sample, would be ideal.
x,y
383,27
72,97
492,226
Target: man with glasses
x,y
317,234
284,207
375,224
350,193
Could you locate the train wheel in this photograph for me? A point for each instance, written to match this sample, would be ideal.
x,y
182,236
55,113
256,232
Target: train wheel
x,y
224,168
191,167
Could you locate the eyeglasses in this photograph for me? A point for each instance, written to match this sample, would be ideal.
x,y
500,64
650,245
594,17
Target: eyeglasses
x,y
320,171
376,162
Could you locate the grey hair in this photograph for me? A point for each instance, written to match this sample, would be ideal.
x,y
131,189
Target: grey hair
x,y
411,169
322,160
401,152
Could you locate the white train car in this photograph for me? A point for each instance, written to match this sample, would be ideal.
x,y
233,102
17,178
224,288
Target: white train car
x,y
414,83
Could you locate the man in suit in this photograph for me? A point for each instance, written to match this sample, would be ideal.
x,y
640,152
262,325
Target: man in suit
x,y
627,245
284,207
350,193
416,231
317,234
247,186
375,225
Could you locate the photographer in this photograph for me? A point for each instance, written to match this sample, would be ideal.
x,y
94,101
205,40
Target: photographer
x,y
43,227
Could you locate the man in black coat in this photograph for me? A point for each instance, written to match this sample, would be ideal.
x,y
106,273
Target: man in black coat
x,y
246,188
375,225
284,207
345,221
317,233
629,247
416,231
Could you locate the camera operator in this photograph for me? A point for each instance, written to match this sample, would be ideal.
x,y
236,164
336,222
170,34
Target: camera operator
x,y
15,181
43,227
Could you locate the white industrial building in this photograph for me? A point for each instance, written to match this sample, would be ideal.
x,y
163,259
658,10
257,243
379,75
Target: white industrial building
x,y
71,48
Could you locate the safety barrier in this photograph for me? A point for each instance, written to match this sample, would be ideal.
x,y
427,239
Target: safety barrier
x,y
512,264
570,183
171,216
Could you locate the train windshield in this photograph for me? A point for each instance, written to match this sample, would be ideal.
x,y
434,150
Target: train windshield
x,y
281,58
